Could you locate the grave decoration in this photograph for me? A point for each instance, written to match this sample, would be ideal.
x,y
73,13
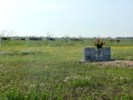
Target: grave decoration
x,y
99,53
99,43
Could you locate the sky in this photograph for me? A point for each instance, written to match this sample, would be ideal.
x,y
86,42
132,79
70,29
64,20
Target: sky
x,y
74,18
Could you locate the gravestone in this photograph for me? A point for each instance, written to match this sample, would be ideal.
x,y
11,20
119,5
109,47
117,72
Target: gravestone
x,y
99,55
88,54
93,54
106,52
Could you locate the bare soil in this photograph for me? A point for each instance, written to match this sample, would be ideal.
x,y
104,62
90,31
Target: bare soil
x,y
117,63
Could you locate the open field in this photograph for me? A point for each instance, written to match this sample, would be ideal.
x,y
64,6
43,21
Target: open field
x,y
51,70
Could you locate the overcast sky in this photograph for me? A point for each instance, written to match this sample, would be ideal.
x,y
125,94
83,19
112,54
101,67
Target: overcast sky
x,y
89,18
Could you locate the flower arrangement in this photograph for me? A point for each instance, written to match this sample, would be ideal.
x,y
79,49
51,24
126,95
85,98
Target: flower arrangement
x,y
98,43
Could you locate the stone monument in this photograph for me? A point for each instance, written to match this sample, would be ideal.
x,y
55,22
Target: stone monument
x,y
93,54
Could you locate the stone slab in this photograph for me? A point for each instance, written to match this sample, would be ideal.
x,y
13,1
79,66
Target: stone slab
x,y
92,54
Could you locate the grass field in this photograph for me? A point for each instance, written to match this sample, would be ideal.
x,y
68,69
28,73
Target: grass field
x,y
45,70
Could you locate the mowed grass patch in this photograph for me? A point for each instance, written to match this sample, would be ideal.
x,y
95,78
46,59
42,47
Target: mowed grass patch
x,y
49,72
69,79
122,52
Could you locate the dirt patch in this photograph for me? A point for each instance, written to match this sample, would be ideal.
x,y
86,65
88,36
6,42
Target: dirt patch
x,y
3,52
117,63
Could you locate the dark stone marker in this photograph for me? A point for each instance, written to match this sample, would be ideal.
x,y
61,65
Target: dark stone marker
x,y
88,54
92,54
106,51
